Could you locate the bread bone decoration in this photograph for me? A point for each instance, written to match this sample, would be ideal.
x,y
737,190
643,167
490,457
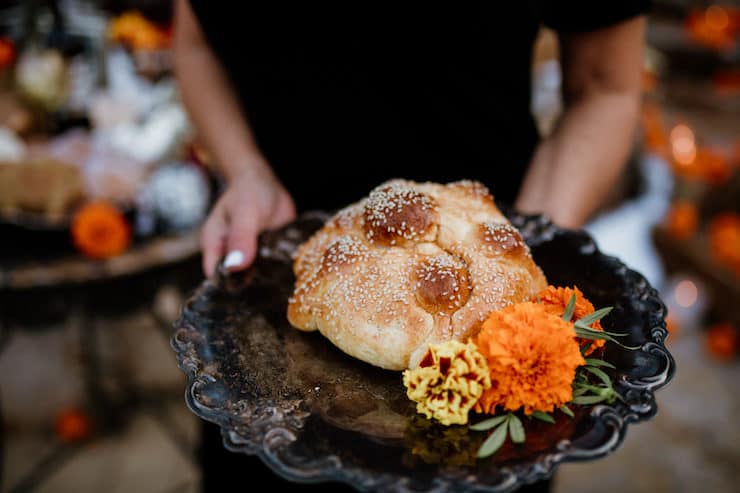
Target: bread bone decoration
x,y
410,265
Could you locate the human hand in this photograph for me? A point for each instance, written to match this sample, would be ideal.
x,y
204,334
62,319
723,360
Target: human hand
x,y
254,200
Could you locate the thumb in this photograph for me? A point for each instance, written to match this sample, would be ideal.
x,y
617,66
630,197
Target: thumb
x,y
241,244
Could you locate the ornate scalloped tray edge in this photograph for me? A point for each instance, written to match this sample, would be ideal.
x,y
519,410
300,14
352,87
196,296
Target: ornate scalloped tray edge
x,y
295,413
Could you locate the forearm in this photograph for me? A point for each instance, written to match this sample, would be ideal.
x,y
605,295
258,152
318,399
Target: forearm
x,y
574,169
217,117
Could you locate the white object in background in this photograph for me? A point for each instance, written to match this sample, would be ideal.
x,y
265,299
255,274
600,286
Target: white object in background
x,y
112,175
42,76
178,194
626,231
82,82
125,98
124,84
547,102
85,19
106,111
156,139
12,149
136,117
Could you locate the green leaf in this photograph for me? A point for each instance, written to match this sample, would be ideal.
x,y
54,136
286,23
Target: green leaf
x,y
494,441
612,396
566,410
579,391
570,308
586,333
586,400
595,316
600,374
488,423
516,429
599,362
583,334
581,325
596,389
543,417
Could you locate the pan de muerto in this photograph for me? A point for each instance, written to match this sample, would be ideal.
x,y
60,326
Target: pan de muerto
x,y
410,265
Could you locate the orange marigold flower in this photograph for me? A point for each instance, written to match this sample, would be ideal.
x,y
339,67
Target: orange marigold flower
x,y
100,231
681,220
137,32
532,356
655,135
672,324
556,299
7,53
73,425
722,341
724,238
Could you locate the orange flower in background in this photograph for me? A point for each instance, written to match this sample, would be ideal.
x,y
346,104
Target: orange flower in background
x,y
724,239
716,27
137,32
7,53
649,80
713,166
532,356
655,135
727,81
694,162
673,325
555,299
682,220
72,425
100,231
721,341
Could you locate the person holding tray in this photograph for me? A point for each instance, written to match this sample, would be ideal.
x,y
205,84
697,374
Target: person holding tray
x,y
309,105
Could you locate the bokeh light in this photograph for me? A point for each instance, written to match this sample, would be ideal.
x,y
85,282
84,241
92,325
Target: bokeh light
x,y
686,293
683,144
716,18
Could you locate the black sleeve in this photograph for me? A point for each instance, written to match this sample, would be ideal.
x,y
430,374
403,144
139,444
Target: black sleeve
x,y
589,15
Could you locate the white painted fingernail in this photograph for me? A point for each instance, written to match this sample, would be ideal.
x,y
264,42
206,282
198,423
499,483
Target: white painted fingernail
x,y
235,258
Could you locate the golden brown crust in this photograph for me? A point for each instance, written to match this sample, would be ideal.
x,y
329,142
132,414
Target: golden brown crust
x,y
501,239
395,214
410,265
441,284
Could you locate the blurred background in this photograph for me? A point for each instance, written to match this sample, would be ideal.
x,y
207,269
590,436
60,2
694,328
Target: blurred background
x,y
103,186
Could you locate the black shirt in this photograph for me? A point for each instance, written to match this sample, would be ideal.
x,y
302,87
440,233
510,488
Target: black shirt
x,y
344,95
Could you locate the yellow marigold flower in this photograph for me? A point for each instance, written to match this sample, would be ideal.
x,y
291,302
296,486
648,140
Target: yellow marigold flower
x,y
448,382
532,356
556,299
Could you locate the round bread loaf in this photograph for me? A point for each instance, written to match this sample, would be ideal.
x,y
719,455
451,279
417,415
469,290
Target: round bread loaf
x,y
410,265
